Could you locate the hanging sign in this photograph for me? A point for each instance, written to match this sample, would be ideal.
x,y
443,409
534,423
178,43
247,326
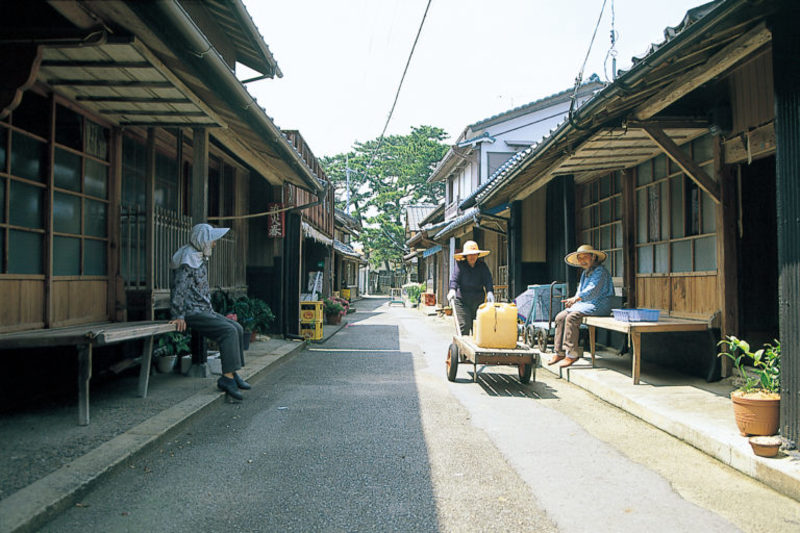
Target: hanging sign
x,y
275,221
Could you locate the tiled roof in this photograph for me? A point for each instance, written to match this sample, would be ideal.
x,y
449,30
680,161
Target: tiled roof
x,y
416,214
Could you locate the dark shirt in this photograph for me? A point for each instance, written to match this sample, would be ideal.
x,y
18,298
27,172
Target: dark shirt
x,y
190,292
470,282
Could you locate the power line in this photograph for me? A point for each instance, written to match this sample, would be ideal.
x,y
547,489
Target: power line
x,y
579,78
399,86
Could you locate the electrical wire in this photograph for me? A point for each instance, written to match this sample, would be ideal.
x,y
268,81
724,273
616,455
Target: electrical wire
x,y
399,86
579,77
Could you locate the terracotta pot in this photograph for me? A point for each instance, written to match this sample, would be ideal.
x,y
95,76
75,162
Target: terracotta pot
x,y
756,416
765,446
333,318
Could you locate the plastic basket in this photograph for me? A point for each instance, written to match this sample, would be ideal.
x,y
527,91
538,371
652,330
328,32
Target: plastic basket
x,y
636,315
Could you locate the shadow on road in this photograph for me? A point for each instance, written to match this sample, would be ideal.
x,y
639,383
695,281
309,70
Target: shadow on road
x,y
508,385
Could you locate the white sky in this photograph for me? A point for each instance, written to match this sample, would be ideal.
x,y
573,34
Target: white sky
x,y
343,59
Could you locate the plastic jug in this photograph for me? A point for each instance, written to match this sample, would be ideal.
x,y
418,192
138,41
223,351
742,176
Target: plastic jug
x,y
496,325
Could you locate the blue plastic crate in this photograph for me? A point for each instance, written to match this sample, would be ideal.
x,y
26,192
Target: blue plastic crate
x,y
636,315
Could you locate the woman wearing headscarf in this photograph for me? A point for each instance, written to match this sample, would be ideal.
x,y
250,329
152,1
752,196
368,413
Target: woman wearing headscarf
x,y
470,284
190,305
593,297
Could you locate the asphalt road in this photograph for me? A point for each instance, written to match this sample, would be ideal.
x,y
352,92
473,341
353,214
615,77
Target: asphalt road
x,y
364,433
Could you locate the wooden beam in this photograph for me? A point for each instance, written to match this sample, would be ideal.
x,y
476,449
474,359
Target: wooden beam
x,y
629,236
150,188
727,213
154,113
111,83
715,65
690,167
63,63
132,99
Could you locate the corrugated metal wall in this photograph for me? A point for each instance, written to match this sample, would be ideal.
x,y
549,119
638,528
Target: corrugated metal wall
x,y
786,47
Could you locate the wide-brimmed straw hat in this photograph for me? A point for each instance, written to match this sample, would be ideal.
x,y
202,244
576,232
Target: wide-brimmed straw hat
x,y
572,259
471,248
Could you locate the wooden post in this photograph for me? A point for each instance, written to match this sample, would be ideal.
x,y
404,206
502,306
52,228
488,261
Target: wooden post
x,y
84,375
150,188
629,236
116,289
199,203
727,214
48,221
144,368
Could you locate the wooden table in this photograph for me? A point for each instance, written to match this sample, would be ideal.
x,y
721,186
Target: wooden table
x,y
85,338
635,330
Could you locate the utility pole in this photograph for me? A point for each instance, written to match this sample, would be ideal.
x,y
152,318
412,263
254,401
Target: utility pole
x,y
347,174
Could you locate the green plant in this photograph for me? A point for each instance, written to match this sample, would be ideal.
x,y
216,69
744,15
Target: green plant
x,y
414,290
766,364
173,343
243,309
262,315
222,302
330,307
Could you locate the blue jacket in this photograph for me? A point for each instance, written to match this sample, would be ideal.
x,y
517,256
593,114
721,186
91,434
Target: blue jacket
x,y
595,290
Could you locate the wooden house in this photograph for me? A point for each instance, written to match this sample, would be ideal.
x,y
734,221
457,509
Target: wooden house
x,y
685,171
347,261
121,125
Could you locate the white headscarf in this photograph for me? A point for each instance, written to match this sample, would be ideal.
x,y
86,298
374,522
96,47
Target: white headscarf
x,y
200,248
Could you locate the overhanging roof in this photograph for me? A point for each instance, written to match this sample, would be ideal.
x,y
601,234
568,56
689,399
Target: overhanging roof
x,y
710,39
125,82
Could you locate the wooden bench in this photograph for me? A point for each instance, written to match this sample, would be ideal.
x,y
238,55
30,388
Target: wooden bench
x,y
85,338
635,330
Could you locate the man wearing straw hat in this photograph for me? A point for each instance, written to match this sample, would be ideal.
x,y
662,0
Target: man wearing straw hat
x,y
469,281
592,298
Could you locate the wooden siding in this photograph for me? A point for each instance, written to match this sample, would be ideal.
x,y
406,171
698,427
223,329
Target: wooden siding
x,y
752,93
534,246
79,301
23,304
694,296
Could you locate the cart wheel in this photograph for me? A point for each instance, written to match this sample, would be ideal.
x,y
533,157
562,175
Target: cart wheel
x,y
529,336
524,372
541,340
452,362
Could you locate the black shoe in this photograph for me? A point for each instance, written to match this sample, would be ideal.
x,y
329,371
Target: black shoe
x,y
229,386
242,384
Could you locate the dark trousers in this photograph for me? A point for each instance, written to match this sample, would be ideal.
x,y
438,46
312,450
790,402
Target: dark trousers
x,y
225,332
465,311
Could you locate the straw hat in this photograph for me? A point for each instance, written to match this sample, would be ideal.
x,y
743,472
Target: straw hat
x,y
471,248
572,259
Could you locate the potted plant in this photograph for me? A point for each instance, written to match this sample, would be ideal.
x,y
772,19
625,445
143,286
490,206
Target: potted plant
x,y
263,317
168,348
756,404
333,311
413,291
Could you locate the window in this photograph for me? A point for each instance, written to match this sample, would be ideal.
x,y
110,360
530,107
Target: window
x,y
675,219
80,190
80,195
601,219
23,182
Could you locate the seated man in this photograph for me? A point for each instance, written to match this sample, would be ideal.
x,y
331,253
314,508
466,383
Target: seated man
x,y
592,298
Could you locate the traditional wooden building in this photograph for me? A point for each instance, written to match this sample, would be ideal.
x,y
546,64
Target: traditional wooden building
x,y
685,171
346,260
121,125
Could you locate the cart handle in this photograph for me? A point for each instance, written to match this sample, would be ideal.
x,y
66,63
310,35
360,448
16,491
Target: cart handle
x,y
452,302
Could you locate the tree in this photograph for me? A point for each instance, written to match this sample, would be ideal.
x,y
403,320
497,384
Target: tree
x,y
384,182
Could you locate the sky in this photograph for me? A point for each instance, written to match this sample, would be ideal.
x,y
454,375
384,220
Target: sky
x,y
342,60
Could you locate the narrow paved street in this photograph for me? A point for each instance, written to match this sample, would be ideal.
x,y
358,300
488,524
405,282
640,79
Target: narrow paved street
x,y
364,433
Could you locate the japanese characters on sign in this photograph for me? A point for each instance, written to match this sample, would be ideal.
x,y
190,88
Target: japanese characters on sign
x,y
275,223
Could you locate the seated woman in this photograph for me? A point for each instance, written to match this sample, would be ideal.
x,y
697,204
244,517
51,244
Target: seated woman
x,y
190,305
592,298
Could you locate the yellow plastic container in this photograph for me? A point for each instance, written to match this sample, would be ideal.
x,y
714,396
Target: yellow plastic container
x,y
311,330
345,294
310,312
496,325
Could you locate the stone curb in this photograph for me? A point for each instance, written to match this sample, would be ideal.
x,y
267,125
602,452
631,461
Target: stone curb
x,y
780,474
31,507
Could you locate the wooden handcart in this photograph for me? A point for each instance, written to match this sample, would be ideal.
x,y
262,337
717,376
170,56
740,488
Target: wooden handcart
x,y
464,349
